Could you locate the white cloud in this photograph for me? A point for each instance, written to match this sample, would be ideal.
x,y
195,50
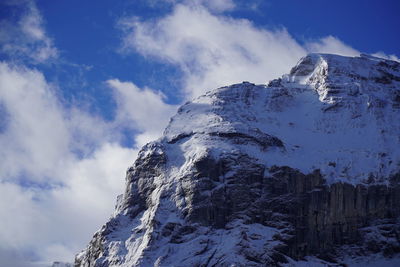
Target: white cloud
x,y
62,168
331,45
36,138
215,5
385,56
141,109
214,50
55,224
26,37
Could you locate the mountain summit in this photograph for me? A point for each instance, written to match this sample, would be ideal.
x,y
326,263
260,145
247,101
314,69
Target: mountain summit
x,y
306,168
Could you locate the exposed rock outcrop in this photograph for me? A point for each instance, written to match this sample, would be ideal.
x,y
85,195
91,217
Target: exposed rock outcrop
x,y
254,175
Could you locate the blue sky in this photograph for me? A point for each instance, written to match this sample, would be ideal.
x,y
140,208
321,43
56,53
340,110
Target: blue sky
x,y
89,34
84,84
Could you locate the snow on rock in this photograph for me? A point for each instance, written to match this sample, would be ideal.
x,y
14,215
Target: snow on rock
x,y
255,175
344,119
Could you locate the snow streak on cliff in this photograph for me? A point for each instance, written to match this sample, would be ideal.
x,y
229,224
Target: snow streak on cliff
x,y
249,175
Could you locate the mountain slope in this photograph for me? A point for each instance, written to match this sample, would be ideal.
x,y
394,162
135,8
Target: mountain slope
x,y
253,174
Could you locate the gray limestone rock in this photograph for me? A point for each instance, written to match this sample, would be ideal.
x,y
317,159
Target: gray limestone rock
x,y
254,175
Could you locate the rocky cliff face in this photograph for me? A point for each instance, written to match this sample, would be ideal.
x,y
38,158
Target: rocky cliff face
x,y
306,168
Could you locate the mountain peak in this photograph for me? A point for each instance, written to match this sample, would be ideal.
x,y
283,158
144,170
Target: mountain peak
x,y
336,78
316,68
255,175
328,109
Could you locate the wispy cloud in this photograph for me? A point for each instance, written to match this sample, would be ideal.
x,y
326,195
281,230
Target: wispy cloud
x,y
63,167
25,36
60,167
143,110
214,5
214,50
43,178
331,45
384,55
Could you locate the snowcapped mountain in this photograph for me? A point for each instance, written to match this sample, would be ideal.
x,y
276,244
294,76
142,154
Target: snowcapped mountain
x,y
303,170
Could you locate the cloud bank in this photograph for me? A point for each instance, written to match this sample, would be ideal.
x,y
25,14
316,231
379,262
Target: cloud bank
x,y
61,168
